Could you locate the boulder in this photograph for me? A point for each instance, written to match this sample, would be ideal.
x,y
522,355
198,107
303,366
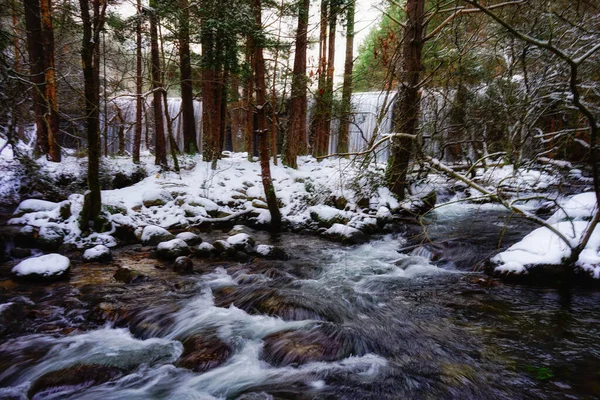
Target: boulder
x,y
183,265
205,250
156,197
327,216
172,249
43,268
344,234
222,246
190,238
99,253
242,242
202,352
128,275
271,252
71,379
34,205
27,236
50,237
153,235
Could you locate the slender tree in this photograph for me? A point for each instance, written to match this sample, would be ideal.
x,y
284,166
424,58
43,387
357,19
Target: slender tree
x,y
51,117
159,127
261,119
342,145
187,93
295,140
90,57
137,136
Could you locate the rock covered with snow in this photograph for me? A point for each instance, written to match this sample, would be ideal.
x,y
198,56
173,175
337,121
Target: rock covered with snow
x,y
223,247
190,238
242,242
183,265
35,205
345,234
172,249
153,235
156,197
49,266
327,216
205,250
50,236
271,252
98,253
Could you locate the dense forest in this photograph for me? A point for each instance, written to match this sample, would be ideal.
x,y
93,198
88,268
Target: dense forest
x,y
250,199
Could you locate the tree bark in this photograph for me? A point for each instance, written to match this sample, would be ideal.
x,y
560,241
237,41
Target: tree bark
x,y
249,90
262,131
407,106
318,128
159,127
137,136
295,141
187,94
90,58
33,25
342,145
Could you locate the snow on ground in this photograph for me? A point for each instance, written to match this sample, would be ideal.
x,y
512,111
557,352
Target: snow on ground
x,y
543,247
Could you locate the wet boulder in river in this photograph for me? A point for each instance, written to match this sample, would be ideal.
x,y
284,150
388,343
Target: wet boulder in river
x,y
153,235
128,275
190,238
70,379
98,253
241,242
183,265
48,267
202,352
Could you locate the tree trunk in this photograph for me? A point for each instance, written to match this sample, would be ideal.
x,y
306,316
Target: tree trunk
x,y
249,128
159,127
187,94
208,100
295,141
342,145
137,136
407,106
35,48
90,58
328,103
52,117
318,128
262,131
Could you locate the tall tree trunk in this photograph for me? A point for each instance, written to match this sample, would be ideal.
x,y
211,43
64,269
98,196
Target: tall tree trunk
x,y
52,117
320,124
172,143
33,25
407,106
209,122
262,131
249,90
342,145
328,104
295,140
159,126
137,136
187,93
90,58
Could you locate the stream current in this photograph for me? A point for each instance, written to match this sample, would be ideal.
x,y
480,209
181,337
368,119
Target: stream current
x,y
333,322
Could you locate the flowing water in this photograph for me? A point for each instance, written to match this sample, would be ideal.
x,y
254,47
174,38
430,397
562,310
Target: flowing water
x,y
333,322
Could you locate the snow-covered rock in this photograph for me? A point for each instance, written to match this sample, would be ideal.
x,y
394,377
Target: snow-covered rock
x,y
580,207
153,235
34,205
345,234
156,197
241,242
49,266
223,246
271,252
98,253
327,216
183,265
172,249
190,238
205,250
50,236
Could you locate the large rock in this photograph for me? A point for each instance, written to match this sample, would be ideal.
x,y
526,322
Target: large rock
x,y
157,197
271,252
34,205
242,242
202,352
205,250
50,237
127,275
183,265
345,234
99,253
190,238
172,249
71,379
47,267
153,235
27,236
326,216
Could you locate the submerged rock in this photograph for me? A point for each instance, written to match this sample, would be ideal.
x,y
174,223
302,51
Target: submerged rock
x,y
153,235
202,352
71,379
99,253
172,249
128,275
43,268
